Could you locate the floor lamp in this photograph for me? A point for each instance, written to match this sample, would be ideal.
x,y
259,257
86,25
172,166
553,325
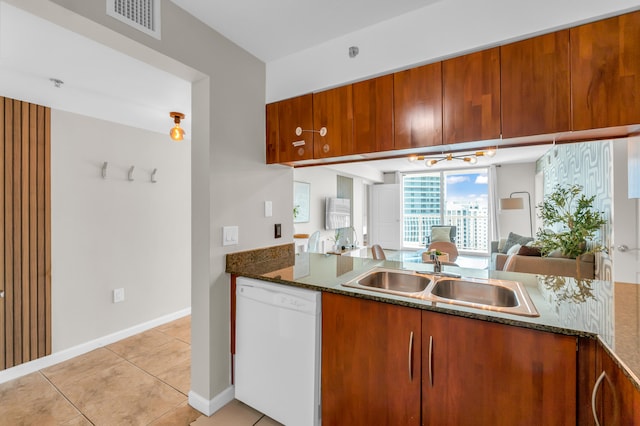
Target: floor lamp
x,y
517,204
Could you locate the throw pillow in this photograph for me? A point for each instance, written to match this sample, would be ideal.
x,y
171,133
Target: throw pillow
x,y
441,234
514,249
529,251
514,239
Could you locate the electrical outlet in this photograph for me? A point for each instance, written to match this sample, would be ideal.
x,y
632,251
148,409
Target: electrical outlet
x,y
118,295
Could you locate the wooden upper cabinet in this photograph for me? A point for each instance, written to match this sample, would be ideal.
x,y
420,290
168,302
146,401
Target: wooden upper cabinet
x,y
373,115
472,97
605,72
294,113
333,109
272,133
417,106
536,86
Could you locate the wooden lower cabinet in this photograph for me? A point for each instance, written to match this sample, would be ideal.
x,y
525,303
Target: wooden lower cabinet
x,y
370,365
482,373
455,370
617,399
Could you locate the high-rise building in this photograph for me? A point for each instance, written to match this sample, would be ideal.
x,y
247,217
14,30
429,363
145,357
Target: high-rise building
x,y
424,205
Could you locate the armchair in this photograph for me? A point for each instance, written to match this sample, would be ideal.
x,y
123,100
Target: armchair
x,y
439,233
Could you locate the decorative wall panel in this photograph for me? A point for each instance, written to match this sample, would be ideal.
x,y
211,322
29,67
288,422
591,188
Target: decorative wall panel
x,y
590,165
25,232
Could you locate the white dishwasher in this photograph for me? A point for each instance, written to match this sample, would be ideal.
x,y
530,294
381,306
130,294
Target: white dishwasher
x,y
277,360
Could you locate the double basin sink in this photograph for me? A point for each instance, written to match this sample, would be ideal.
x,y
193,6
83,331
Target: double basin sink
x,y
488,294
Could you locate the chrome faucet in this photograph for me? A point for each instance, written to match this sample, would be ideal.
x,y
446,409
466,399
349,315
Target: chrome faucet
x,y
437,266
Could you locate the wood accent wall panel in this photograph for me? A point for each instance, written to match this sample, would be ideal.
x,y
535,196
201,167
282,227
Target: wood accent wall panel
x,y
471,100
536,86
25,311
605,72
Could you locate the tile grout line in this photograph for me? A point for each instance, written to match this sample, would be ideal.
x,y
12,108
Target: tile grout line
x,y
155,377
263,416
150,374
65,396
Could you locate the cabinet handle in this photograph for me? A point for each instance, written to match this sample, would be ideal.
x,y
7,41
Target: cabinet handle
x,y
593,396
1,294
411,357
431,361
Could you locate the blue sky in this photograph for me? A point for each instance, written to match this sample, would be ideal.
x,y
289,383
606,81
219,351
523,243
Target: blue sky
x,y
467,186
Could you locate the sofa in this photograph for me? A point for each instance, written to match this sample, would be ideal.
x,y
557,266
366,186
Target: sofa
x,y
582,267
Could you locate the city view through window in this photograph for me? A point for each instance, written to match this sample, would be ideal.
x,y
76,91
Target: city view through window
x,y
457,198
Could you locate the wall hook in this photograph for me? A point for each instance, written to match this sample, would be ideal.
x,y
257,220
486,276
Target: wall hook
x,y
130,177
153,176
104,170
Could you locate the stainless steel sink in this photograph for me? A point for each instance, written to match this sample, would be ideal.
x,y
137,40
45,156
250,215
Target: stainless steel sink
x,y
488,294
391,281
475,292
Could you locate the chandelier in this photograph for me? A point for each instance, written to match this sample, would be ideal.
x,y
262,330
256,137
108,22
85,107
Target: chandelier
x,y
467,158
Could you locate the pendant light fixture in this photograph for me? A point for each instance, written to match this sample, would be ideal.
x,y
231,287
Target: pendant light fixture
x,y
469,159
176,132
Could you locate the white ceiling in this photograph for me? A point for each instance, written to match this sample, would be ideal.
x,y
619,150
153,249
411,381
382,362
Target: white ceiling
x,y
106,84
276,28
98,81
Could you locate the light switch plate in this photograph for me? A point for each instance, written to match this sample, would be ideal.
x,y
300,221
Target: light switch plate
x,y
268,209
118,295
229,235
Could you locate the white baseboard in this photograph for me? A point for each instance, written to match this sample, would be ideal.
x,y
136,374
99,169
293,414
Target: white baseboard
x,y
55,358
210,406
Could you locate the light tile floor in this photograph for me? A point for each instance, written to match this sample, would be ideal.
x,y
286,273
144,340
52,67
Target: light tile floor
x,y
141,380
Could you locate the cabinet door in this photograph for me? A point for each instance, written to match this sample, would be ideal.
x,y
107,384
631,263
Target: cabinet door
x,y
472,97
373,115
271,150
294,113
370,371
417,106
619,399
536,86
605,72
482,373
333,109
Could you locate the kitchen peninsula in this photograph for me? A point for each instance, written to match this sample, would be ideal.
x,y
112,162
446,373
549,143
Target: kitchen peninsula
x,y
599,318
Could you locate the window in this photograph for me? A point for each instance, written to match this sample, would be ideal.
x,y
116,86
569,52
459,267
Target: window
x,y
458,198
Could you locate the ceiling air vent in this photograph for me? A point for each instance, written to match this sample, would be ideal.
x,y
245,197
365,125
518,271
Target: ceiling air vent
x,y
143,15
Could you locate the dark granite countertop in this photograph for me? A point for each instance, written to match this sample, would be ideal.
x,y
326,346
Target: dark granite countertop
x,y
586,308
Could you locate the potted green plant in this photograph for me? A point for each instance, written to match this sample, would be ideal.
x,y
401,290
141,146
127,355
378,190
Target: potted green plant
x,y
571,210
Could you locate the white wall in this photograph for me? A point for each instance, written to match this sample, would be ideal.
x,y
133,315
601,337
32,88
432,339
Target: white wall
x,y
229,179
443,29
515,178
323,182
111,233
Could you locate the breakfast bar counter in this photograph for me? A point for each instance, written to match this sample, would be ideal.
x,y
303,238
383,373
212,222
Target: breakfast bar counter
x,y
587,308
